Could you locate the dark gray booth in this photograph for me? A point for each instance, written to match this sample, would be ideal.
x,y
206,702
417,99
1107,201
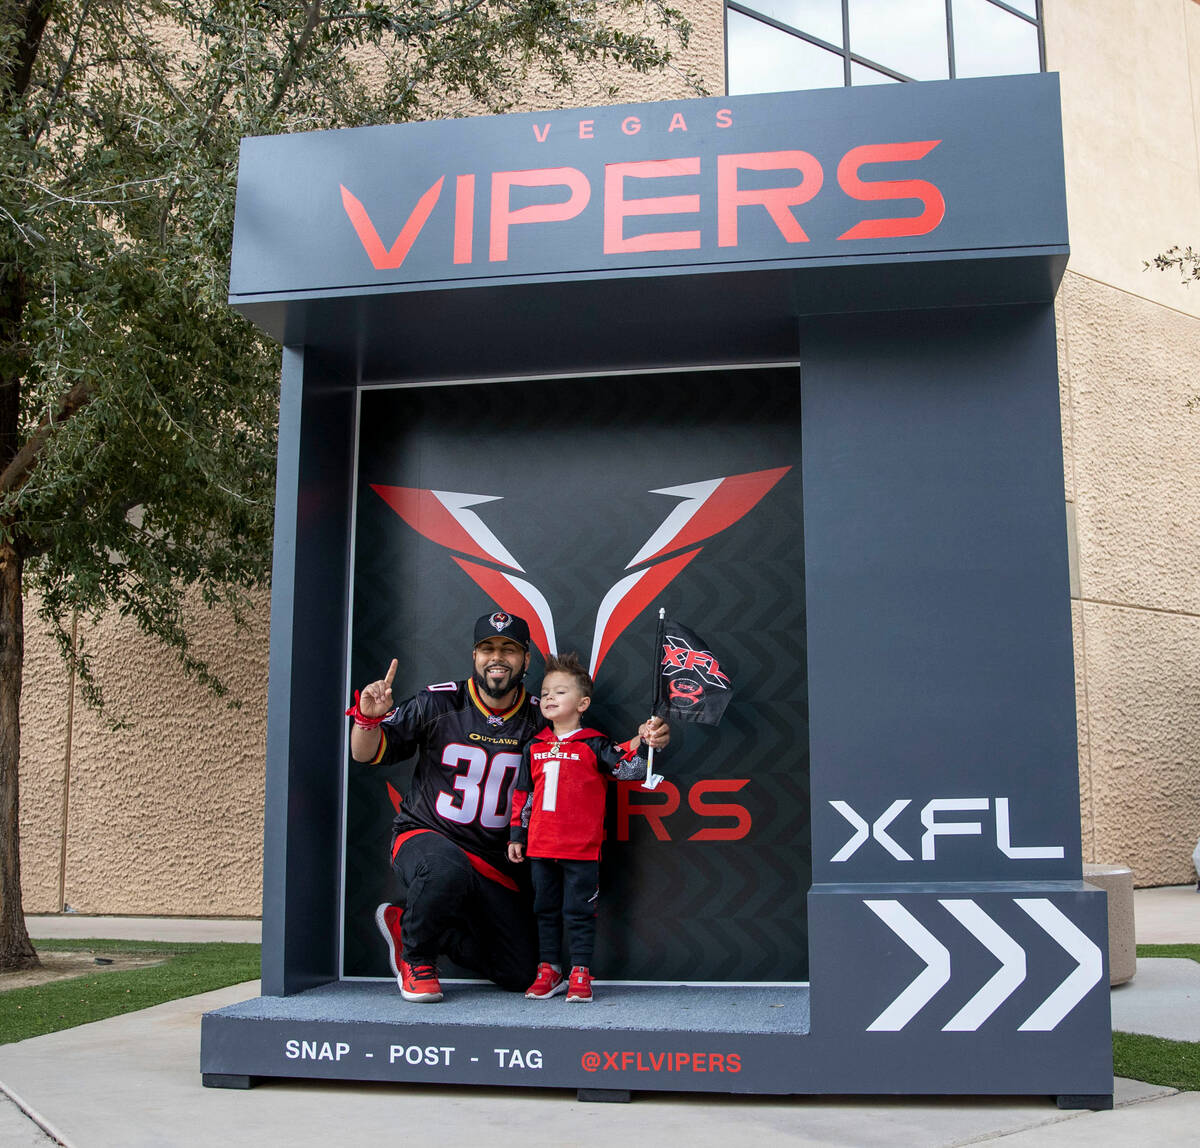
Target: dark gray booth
x,y
868,879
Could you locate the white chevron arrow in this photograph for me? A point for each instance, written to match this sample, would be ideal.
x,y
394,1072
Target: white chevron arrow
x,y
935,974
1002,985
1077,985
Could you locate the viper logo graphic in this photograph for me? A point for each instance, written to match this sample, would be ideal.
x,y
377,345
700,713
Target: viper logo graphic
x,y
705,509
685,692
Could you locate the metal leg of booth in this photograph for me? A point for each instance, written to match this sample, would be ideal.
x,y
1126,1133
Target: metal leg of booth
x,y
1097,1102
603,1095
225,1080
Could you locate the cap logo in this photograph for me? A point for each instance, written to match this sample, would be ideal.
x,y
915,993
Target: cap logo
x,y
500,621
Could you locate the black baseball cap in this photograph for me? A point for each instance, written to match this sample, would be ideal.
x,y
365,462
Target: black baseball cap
x,y
502,625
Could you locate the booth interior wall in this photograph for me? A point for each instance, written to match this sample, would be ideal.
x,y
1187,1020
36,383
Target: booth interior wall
x,y
705,879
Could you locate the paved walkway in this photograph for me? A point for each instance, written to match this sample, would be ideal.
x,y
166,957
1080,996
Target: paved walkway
x,y
134,1082
67,925
1169,916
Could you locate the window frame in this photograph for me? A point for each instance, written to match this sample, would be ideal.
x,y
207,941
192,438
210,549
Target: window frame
x,y
850,57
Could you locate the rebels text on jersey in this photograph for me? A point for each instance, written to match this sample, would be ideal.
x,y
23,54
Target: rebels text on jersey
x,y
468,757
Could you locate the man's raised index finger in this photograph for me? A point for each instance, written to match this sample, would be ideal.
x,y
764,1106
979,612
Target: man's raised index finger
x,y
387,678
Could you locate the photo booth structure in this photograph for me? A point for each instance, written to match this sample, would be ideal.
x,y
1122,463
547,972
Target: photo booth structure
x,y
794,355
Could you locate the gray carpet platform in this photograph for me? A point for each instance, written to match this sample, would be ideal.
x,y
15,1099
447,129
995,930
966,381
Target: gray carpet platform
x,y
631,1036
651,1008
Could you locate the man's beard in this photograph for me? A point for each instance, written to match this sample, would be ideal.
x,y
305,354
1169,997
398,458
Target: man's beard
x,y
481,684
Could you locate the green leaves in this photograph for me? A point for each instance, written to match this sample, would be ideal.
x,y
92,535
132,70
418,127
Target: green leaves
x,y
137,411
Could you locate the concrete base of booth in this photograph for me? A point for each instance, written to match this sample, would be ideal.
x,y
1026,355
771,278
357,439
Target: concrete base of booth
x,y
730,1039
705,1038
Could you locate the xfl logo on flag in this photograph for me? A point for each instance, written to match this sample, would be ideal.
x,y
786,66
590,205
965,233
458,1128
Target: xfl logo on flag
x,y
698,689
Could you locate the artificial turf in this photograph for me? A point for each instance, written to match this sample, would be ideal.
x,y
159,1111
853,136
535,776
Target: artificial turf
x,y
1174,1063
1190,951
187,969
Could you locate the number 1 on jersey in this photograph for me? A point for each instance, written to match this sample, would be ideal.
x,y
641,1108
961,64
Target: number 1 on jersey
x,y
550,787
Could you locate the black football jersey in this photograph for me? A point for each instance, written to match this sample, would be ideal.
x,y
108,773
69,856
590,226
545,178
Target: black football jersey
x,y
467,763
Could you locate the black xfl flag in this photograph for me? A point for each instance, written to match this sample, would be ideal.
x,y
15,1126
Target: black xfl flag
x,y
689,684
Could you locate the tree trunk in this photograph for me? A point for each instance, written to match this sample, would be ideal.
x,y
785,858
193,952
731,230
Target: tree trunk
x,y
16,951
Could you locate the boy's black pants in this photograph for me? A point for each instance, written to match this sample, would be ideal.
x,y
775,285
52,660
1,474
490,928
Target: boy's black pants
x,y
565,893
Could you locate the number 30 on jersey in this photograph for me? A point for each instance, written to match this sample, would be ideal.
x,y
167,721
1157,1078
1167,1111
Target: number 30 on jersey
x,y
482,786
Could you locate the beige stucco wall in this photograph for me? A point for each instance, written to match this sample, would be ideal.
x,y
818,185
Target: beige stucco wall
x,y
1129,72
44,708
700,66
1127,368
166,816
697,69
1129,343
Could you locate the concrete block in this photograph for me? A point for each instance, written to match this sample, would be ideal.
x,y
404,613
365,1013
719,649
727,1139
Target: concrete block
x,y
1117,882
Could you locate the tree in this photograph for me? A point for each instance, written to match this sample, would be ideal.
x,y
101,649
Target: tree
x,y
137,412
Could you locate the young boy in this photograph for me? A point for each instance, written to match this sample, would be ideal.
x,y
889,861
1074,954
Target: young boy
x,y
558,821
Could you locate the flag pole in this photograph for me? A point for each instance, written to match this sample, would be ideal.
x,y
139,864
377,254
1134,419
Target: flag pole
x,y
652,779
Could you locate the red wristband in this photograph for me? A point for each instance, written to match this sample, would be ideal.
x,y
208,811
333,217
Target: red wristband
x,y
360,719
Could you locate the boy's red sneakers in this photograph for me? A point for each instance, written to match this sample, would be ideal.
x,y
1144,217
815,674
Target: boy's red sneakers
x,y
580,986
549,983
387,919
419,983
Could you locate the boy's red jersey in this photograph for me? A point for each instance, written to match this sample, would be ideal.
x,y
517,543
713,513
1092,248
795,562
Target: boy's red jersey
x,y
558,801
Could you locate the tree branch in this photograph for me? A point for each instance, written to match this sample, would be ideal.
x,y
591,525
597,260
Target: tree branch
x,y
37,16
220,91
66,71
17,473
401,29
284,79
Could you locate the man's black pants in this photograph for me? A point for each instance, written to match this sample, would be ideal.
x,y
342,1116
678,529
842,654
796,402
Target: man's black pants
x,y
451,907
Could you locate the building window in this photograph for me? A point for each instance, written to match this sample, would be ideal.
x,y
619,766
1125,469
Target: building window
x,y
785,45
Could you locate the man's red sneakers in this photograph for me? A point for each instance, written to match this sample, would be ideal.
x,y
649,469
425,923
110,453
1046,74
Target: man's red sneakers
x,y
387,919
550,982
580,986
419,983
